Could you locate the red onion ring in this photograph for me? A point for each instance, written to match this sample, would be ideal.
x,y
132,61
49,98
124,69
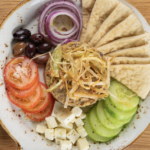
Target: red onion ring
x,y
53,10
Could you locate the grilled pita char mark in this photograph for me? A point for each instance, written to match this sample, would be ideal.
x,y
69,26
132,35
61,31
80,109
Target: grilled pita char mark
x,y
101,10
135,77
124,43
118,15
131,26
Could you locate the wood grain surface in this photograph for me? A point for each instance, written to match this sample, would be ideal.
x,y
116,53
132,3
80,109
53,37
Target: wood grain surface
x,y
143,142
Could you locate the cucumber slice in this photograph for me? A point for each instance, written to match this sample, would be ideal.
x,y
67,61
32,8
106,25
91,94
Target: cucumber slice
x,y
103,119
99,128
91,132
114,120
116,113
122,97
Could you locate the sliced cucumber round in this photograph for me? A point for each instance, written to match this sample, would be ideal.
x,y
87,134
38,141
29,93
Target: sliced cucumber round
x,y
116,113
103,119
99,128
114,120
122,97
91,132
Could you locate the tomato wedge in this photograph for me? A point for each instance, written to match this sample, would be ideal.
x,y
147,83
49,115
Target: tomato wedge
x,y
43,114
22,93
21,73
44,101
28,102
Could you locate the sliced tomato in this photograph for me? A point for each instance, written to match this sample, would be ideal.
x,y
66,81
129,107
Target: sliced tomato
x,y
22,93
21,73
28,102
44,101
43,114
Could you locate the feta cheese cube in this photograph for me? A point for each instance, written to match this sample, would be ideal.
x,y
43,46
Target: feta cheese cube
x,y
51,122
57,107
79,122
57,141
81,131
64,116
82,144
73,136
65,145
40,129
68,126
73,121
76,111
60,133
82,116
49,134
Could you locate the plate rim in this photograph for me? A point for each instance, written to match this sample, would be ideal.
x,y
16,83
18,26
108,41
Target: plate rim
x,y
1,26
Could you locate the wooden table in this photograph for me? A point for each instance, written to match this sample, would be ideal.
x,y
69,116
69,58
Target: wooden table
x,y
143,143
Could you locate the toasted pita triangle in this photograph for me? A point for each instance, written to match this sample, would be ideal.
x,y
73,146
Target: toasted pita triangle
x,y
142,51
129,27
125,43
86,16
118,15
101,10
135,77
130,60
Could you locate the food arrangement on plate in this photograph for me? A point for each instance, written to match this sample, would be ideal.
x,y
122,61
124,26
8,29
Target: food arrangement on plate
x,y
97,69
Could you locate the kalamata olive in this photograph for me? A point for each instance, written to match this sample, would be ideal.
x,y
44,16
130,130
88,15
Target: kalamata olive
x,y
44,47
18,48
22,34
30,50
36,38
41,59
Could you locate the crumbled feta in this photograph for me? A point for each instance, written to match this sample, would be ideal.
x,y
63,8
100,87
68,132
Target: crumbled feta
x,y
81,131
73,136
57,141
79,122
82,144
68,126
49,134
65,116
65,145
76,111
51,122
60,133
40,129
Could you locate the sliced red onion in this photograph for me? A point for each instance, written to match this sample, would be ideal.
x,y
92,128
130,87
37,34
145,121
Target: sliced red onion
x,y
46,22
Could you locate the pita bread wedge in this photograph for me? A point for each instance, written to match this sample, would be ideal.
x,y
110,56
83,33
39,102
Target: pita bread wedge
x,y
125,43
135,77
130,60
129,27
118,15
88,4
101,10
86,16
142,51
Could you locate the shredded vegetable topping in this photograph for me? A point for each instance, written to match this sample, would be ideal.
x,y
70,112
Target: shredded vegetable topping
x,y
80,68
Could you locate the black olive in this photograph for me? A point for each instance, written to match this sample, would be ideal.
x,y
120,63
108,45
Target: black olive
x,y
37,38
22,34
18,48
30,50
41,59
44,47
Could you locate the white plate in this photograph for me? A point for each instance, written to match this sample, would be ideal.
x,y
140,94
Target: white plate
x,y
26,16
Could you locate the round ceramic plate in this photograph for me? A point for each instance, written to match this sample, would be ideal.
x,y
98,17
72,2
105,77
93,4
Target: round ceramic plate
x,y
21,130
